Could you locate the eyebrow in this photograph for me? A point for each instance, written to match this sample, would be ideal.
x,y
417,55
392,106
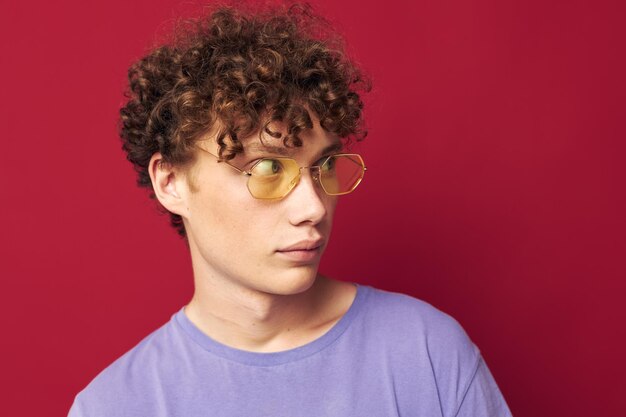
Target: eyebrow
x,y
259,147
334,147
281,150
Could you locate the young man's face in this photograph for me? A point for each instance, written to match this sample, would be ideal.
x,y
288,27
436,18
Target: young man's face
x,y
271,246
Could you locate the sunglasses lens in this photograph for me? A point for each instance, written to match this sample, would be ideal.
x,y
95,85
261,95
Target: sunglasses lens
x,y
273,178
340,174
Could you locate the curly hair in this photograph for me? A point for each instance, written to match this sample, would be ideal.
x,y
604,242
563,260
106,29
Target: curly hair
x,y
244,70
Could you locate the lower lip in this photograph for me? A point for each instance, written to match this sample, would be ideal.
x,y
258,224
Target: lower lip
x,y
301,255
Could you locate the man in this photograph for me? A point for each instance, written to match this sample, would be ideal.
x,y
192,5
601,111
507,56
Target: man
x,y
240,128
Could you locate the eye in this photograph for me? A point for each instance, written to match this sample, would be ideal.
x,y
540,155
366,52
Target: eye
x,y
328,163
267,167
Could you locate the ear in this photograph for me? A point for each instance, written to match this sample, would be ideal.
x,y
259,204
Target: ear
x,y
168,184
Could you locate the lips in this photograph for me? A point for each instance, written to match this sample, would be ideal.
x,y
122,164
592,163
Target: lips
x,y
303,251
303,245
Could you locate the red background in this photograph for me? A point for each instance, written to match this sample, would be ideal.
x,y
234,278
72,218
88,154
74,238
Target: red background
x,y
495,190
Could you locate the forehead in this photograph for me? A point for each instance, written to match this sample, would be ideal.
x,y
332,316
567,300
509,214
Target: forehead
x,y
314,141
254,147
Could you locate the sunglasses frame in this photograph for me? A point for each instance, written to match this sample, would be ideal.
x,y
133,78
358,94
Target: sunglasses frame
x,y
296,181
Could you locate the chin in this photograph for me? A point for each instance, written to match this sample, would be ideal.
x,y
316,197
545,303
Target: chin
x,y
293,282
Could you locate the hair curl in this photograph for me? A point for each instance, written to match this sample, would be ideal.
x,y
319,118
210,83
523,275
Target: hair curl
x,y
244,70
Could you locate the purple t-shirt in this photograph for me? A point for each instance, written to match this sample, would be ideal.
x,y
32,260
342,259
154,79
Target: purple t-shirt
x,y
389,355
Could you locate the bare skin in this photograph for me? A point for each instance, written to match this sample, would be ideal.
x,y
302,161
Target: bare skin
x,y
269,323
248,294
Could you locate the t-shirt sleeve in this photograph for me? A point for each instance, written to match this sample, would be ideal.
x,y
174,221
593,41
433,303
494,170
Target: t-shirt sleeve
x,y
482,397
465,387
75,410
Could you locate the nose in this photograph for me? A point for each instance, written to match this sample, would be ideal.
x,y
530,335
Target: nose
x,y
308,202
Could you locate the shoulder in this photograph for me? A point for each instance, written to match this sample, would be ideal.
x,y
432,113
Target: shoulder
x,y
402,314
420,335
421,340
129,377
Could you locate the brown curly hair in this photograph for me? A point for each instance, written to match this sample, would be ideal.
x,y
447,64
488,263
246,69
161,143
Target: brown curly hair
x,y
244,70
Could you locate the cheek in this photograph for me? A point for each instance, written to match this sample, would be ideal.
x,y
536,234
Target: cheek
x,y
235,220
331,205
213,210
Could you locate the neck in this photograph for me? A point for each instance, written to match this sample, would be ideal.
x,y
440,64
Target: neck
x,y
256,321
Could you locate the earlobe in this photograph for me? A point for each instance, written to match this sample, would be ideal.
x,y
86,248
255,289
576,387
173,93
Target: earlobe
x,y
165,183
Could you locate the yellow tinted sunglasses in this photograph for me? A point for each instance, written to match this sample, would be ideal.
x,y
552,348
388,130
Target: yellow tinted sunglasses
x,y
274,178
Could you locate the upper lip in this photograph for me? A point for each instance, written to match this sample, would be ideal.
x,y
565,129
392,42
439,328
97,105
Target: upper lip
x,y
307,244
